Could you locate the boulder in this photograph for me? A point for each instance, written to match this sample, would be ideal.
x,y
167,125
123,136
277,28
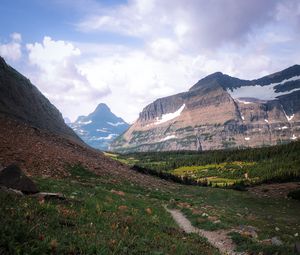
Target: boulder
x,y
14,178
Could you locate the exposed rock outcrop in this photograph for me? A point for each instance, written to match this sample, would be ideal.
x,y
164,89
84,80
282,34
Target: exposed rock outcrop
x,y
220,112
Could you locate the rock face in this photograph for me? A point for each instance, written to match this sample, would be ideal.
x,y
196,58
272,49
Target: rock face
x,y
220,112
13,177
99,128
20,100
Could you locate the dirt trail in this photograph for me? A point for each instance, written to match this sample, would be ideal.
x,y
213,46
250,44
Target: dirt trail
x,y
218,239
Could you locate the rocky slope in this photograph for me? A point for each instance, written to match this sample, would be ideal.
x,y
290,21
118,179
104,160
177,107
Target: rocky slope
x,y
220,112
22,101
99,128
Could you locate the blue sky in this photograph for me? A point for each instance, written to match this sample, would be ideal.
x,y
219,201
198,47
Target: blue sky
x,y
80,53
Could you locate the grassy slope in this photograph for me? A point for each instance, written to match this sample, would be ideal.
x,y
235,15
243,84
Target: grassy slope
x,y
269,164
96,220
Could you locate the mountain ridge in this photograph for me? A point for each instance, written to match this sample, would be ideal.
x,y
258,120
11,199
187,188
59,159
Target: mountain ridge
x,y
21,100
215,114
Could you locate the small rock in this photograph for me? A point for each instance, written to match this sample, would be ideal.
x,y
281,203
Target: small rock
x,y
296,234
123,207
149,210
277,228
11,191
204,215
276,241
49,196
217,222
120,193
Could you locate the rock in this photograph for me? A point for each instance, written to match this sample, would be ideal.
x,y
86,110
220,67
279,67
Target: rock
x,y
276,241
120,193
11,191
122,207
297,248
13,177
50,196
248,231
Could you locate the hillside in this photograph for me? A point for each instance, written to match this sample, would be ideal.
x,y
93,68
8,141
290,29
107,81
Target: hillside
x,y
21,100
220,112
99,128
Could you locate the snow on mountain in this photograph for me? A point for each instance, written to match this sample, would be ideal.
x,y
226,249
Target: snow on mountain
x,y
99,128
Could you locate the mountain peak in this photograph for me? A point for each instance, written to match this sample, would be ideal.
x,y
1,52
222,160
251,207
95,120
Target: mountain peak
x,y
102,107
218,79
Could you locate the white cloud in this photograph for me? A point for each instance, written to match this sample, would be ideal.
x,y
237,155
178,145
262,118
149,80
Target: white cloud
x,y
58,76
12,50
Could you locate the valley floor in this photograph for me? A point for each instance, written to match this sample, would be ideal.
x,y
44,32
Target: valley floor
x,y
108,215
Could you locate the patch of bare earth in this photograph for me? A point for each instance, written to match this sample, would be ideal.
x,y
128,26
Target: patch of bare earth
x,y
41,153
274,190
218,239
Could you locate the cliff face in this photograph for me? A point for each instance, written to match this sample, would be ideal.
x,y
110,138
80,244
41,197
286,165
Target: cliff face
x,y
22,101
220,112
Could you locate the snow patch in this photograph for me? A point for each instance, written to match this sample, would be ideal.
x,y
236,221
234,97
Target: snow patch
x,y
103,130
115,124
168,138
266,92
244,102
169,116
85,122
109,137
247,138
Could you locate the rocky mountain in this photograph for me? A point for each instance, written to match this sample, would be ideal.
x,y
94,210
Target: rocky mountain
x,y
34,136
220,112
99,128
21,100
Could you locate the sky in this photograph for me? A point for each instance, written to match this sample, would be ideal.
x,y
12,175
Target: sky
x,y
80,53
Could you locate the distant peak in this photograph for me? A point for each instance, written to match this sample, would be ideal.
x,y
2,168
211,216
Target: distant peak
x,y
102,107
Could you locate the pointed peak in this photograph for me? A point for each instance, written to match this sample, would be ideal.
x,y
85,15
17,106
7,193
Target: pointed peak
x,y
102,107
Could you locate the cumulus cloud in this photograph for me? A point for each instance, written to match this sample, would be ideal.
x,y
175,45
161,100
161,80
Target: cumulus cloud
x,y
12,50
58,76
195,22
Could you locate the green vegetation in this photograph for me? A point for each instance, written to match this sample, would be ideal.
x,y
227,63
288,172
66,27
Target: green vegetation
x,y
105,215
225,167
99,216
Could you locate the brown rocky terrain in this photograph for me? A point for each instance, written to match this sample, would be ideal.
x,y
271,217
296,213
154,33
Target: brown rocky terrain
x,y
220,112
42,153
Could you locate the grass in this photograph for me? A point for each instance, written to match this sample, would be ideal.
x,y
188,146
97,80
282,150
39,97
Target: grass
x,y
111,216
100,216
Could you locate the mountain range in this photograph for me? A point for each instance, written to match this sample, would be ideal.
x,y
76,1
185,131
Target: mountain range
x,y
99,128
220,112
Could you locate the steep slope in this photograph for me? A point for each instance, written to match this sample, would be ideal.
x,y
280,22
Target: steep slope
x,y
99,128
220,112
21,100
